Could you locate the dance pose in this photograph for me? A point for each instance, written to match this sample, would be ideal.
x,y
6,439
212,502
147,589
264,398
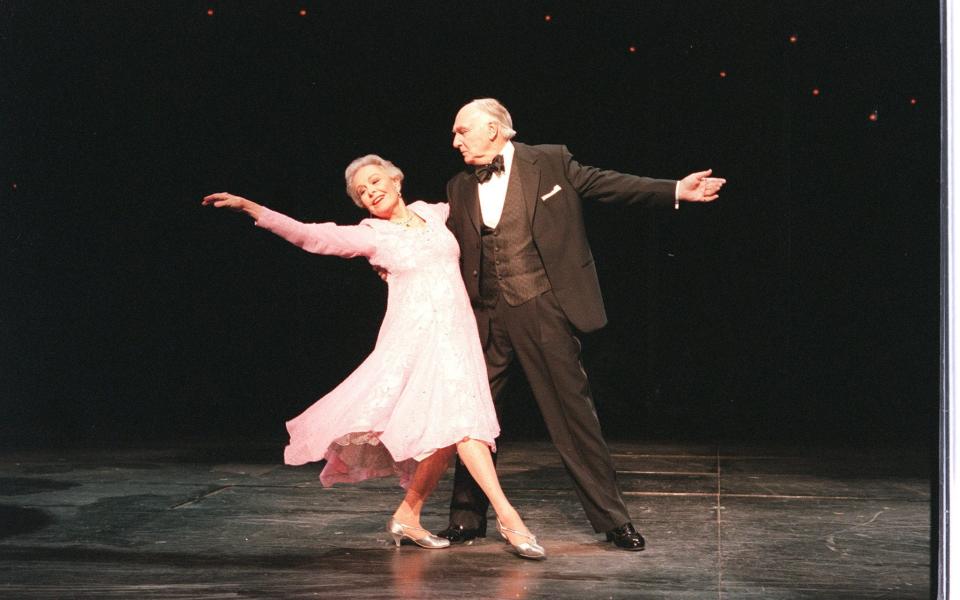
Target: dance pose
x,y
531,278
422,394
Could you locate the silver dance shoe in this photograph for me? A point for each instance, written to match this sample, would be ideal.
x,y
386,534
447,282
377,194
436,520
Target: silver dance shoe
x,y
399,531
530,549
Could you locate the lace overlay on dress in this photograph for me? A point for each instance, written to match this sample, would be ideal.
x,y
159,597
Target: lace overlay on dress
x,y
424,386
357,439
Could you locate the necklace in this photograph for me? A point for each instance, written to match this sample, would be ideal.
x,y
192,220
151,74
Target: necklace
x,y
408,220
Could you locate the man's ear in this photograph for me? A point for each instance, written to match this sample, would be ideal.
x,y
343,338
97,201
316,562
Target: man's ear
x,y
493,129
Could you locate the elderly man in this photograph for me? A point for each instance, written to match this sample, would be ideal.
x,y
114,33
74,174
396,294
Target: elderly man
x,y
533,284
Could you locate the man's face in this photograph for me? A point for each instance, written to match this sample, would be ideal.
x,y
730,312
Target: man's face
x,y
475,135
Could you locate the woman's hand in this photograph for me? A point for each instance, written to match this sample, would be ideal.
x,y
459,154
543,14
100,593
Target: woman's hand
x,y
237,203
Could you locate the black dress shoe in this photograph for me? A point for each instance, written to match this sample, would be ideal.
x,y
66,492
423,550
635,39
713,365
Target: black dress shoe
x,y
625,537
458,533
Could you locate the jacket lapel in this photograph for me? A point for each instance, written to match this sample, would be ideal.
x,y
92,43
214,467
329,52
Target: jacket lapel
x,y
471,200
525,161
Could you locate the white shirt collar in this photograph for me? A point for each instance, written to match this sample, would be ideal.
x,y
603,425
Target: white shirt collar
x,y
507,153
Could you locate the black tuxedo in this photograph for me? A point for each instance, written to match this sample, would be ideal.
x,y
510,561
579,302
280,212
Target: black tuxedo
x,y
556,223
541,333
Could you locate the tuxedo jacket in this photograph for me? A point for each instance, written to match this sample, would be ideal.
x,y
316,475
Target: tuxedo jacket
x,y
554,187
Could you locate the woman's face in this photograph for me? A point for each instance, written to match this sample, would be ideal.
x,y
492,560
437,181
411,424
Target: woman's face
x,y
378,193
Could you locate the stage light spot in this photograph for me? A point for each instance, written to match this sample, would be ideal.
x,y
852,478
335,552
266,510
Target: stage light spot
x,y
873,116
13,186
913,101
793,38
723,74
815,91
209,12
303,12
547,18
632,49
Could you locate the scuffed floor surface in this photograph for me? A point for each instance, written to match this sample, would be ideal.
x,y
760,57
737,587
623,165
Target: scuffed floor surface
x,y
231,522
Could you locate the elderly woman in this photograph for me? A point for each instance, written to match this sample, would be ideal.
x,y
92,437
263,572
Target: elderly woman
x,y
422,394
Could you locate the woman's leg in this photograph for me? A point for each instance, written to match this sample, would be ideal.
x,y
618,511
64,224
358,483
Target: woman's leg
x,y
476,456
425,478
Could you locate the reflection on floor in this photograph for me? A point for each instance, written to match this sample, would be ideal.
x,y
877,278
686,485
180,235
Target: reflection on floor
x,y
228,522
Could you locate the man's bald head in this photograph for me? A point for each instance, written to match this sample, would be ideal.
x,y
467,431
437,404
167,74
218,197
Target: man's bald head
x,y
481,129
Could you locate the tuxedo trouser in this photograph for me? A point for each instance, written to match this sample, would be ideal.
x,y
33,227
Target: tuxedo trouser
x,y
540,338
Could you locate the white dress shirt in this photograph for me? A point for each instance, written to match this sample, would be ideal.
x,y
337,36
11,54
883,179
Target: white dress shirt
x,y
493,192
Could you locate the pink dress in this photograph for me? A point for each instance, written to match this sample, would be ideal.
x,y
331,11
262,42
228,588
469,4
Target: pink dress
x,y
424,386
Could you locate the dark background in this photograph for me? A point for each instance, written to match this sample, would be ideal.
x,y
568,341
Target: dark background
x,y
802,306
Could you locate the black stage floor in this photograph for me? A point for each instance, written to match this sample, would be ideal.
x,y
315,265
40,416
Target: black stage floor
x,y
229,522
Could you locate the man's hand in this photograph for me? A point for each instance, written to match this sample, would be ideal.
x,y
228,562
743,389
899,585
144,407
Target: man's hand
x,y
700,187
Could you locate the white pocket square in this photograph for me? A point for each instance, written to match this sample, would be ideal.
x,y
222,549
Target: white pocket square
x,y
546,196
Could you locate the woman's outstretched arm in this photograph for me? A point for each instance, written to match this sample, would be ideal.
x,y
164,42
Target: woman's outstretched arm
x,y
235,203
319,238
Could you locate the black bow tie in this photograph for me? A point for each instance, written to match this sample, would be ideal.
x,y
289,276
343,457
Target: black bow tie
x,y
485,172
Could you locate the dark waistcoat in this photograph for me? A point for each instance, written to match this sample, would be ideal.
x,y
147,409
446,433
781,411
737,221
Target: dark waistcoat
x,y
510,263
